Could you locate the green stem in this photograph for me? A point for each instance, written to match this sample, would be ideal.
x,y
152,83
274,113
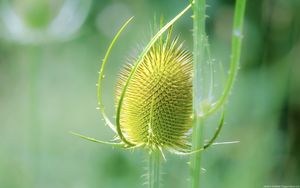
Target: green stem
x,y
197,143
154,169
198,93
199,78
236,46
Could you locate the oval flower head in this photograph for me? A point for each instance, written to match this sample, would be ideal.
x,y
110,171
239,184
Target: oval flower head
x,y
157,105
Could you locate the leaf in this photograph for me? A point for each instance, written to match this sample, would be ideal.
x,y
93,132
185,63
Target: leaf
x,y
101,75
97,141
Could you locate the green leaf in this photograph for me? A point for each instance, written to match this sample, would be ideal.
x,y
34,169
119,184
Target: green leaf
x,y
101,76
97,141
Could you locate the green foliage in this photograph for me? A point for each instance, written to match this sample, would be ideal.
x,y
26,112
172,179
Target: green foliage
x,y
48,89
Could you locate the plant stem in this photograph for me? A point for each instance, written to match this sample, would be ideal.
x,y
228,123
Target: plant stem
x,y
154,169
199,78
236,46
197,143
198,93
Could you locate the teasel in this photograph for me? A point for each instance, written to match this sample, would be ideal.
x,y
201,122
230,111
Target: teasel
x,y
154,100
161,98
153,96
157,106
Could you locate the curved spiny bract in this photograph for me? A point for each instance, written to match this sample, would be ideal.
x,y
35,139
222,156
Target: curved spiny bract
x,y
157,105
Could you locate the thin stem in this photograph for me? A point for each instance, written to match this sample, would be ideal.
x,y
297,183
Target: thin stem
x,y
198,79
236,46
154,169
218,130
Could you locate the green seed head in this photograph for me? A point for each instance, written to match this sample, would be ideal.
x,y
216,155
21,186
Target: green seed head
x,y
157,105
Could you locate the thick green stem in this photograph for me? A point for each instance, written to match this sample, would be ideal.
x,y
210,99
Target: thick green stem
x,y
154,169
197,143
198,92
199,79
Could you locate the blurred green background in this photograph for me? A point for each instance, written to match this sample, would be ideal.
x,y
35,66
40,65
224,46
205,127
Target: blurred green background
x,y
50,53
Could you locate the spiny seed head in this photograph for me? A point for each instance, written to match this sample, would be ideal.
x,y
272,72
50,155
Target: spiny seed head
x,y
157,105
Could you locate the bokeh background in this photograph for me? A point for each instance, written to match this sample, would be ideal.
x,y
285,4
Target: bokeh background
x,y
50,53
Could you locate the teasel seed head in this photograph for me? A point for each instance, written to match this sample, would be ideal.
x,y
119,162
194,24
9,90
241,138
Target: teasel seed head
x,y
154,97
157,105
